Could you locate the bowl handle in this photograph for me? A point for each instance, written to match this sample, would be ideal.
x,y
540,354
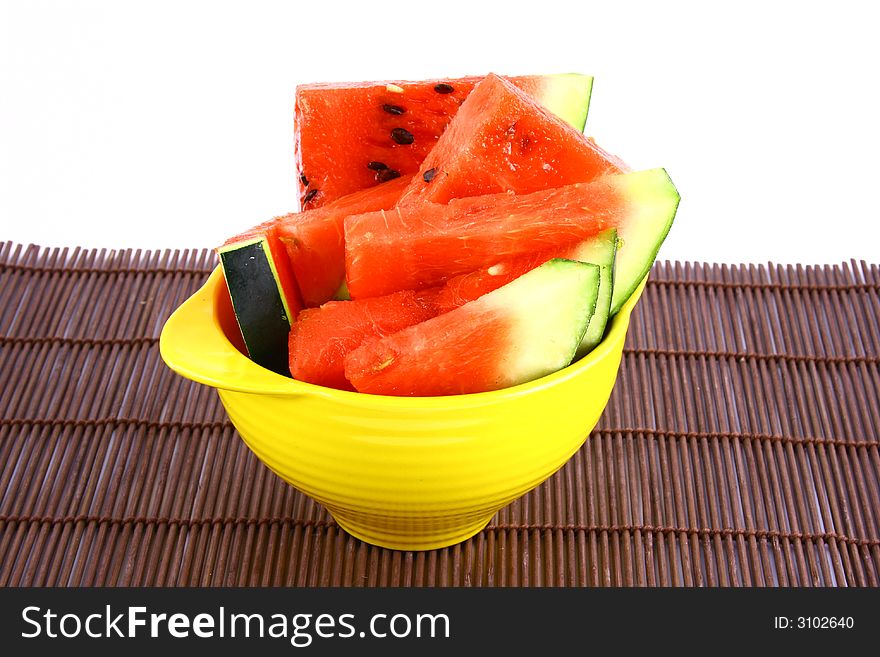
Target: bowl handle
x,y
194,345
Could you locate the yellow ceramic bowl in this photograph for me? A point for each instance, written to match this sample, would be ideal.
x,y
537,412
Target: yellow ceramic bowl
x,y
410,473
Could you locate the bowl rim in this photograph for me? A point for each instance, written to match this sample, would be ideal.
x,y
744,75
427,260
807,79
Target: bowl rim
x,y
193,344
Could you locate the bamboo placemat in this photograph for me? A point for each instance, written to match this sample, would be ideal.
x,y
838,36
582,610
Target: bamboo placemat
x,y
741,446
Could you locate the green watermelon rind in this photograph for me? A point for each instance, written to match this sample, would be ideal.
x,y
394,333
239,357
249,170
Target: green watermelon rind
x,y
653,201
568,95
552,306
600,250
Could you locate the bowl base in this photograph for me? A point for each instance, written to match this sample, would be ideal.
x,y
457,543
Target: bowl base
x,y
443,536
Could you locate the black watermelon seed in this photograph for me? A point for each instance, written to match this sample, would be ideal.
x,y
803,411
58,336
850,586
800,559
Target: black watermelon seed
x,y
377,166
402,136
397,110
304,180
428,176
310,195
387,174
444,88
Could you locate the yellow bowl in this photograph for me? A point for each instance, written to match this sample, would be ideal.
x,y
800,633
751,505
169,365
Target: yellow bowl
x,y
409,473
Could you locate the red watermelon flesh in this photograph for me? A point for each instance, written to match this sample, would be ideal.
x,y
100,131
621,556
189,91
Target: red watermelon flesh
x,y
501,140
469,361
422,245
322,337
314,239
349,136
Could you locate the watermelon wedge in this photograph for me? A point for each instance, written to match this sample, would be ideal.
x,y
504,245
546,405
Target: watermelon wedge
x,y
417,246
501,140
321,338
350,136
519,332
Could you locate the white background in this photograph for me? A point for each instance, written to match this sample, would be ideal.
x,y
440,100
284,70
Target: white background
x,y
169,124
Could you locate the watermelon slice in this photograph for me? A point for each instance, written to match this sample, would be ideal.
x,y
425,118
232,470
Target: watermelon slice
x,y
322,337
313,239
351,136
416,246
519,332
501,140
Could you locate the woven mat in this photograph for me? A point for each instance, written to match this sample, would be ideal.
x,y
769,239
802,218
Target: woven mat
x,y
741,446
